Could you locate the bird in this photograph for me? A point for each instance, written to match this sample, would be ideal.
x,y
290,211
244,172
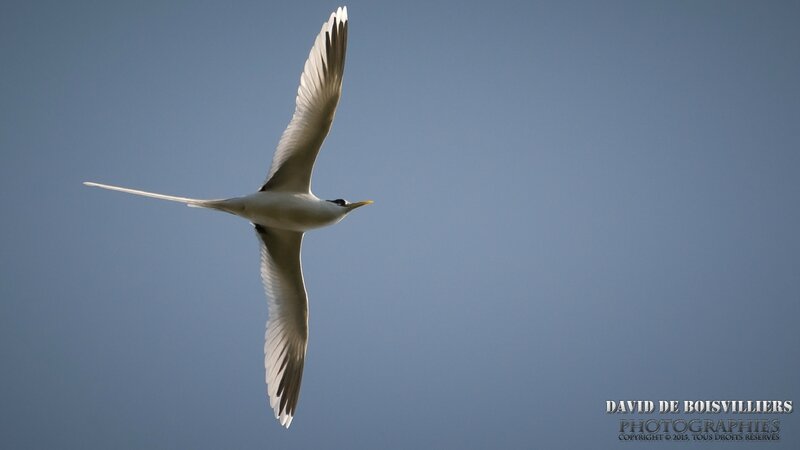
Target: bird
x,y
284,208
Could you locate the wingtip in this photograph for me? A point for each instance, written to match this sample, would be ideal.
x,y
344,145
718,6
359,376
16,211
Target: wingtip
x,y
282,415
337,17
284,419
340,15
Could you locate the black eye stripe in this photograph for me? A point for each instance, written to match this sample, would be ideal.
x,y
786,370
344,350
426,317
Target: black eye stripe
x,y
339,201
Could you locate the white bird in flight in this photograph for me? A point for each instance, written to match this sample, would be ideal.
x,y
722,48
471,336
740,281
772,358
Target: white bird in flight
x,y
284,208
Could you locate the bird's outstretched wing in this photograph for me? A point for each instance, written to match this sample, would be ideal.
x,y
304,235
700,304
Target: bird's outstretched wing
x,y
287,327
317,97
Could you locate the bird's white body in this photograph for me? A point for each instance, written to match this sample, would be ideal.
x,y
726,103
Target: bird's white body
x,y
284,208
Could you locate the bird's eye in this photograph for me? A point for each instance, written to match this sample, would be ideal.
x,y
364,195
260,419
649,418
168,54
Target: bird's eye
x,y
339,201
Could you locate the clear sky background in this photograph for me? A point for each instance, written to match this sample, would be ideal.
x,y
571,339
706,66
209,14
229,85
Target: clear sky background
x,y
575,202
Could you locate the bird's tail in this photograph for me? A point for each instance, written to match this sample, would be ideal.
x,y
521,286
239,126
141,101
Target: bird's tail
x,y
188,201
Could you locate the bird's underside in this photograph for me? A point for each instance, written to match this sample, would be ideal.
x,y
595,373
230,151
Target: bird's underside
x,y
284,208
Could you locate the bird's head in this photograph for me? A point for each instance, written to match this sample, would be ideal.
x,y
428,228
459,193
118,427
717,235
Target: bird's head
x,y
348,206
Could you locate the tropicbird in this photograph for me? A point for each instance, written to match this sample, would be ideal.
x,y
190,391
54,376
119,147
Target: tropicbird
x,y
284,208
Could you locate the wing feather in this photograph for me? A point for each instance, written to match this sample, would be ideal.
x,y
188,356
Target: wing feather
x,y
315,106
287,327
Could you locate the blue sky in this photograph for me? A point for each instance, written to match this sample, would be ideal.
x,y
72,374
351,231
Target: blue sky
x,y
575,202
